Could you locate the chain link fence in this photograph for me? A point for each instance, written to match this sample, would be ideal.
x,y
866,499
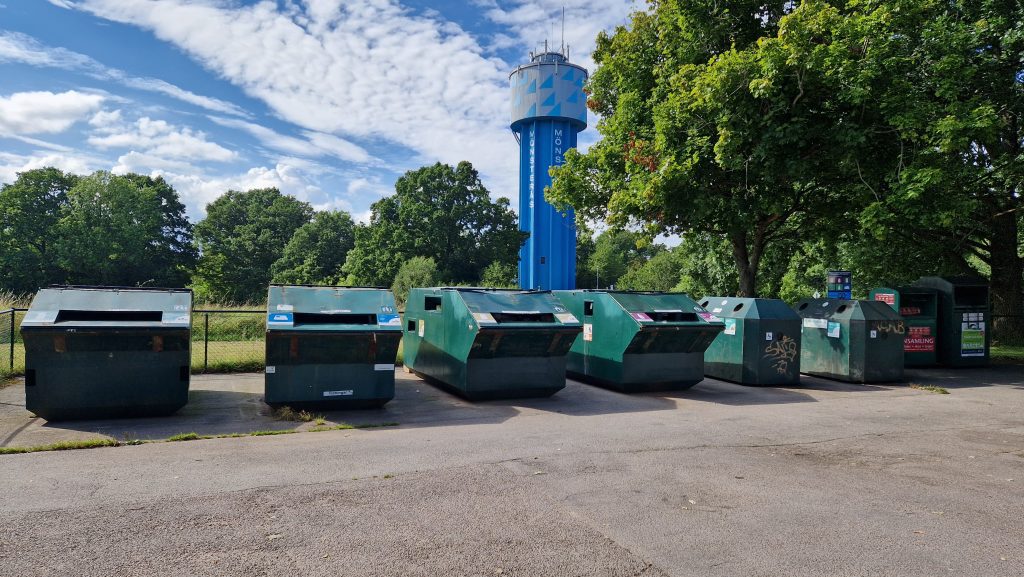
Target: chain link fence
x,y
229,340
12,353
223,341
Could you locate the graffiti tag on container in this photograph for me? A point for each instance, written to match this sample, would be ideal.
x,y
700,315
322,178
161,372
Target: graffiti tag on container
x,y
781,352
894,327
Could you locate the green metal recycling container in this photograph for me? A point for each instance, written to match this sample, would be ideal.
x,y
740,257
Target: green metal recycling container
x,y
331,347
919,308
639,341
964,317
489,343
97,352
760,344
851,340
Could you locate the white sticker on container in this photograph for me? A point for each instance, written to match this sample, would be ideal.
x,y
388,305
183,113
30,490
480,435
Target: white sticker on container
x,y
271,369
347,393
41,317
874,334
588,332
422,327
483,318
816,323
384,367
730,326
769,336
716,310
566,318
285,307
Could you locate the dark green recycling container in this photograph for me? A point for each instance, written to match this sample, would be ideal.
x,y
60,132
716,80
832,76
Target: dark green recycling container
x,y
964,320
919,308
331,347
851,340
99,352
639,341
486,343
760,344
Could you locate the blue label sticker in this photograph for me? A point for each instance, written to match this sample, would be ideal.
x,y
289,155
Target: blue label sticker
x,y
280,319
389,320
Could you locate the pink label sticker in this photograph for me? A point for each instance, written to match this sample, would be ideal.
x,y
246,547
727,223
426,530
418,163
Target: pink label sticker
x,y
708,317
640,316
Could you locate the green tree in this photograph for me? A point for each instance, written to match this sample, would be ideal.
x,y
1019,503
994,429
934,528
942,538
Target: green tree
x,y
660,273
418,271
439,212
124,230
706,128
615,252
30,209
317,250
941,85
242,236
500,275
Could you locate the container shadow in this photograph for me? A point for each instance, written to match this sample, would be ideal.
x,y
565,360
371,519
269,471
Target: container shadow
x,y
418,403
208,412
726,393
967,377
813,383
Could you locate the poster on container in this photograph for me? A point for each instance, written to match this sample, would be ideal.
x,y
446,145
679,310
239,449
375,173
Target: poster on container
x,y
919,340
840,284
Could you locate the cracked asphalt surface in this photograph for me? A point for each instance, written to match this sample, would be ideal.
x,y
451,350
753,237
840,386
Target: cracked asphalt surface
x,y
829,479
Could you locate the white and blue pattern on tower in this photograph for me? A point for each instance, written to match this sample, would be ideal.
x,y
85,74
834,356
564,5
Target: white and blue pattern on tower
x,y
549,109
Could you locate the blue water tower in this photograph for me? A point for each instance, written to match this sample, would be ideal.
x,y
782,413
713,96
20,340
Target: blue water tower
x,y
549,109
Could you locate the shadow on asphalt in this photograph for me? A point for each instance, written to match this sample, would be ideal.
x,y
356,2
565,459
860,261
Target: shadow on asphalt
x,y
994,375
725,393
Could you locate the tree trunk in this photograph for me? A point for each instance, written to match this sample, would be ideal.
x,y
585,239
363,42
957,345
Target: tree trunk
x,y
746,266
1007,281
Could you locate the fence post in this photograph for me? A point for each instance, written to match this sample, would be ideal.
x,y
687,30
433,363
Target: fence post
x,y
12,341
206,341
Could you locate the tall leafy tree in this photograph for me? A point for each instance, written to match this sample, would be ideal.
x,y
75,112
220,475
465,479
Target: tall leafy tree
x,y
30,209
440,212
124,230
317,250
242,236
706,129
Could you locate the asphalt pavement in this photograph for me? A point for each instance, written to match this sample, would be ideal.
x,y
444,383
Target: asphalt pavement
x,y
828,479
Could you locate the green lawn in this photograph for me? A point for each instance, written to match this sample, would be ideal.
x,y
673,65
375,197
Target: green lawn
x,y
1008,354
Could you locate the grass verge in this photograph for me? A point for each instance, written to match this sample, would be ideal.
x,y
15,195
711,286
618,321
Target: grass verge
x,y
929,388
180,437
61,446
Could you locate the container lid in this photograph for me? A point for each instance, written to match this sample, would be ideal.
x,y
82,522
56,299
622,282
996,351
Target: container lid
x,y
110,307
327,308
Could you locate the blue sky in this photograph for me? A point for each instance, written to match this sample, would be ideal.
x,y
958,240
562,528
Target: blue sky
x,y
328,100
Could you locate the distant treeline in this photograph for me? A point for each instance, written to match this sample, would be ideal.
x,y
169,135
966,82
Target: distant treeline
x,y
131,230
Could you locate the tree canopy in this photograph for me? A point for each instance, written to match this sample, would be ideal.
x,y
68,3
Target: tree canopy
x,y
242,236
439,212
317,250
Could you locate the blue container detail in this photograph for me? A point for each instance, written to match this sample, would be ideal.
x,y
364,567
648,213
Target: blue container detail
x,y
549,109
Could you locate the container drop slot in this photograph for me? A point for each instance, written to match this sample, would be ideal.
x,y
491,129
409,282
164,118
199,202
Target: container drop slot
x,y
511,317
334,319
673,317
970,296
432,303
67,316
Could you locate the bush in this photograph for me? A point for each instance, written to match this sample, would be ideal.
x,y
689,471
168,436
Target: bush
x,y
418,271
500,275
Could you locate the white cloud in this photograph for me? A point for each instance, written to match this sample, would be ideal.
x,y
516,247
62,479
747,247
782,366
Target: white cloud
x,y
366,70
160,139
45,112
316,144
22,48
11,164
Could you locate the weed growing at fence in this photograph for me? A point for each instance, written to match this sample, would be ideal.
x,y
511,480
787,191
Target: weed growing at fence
x,y
61,446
